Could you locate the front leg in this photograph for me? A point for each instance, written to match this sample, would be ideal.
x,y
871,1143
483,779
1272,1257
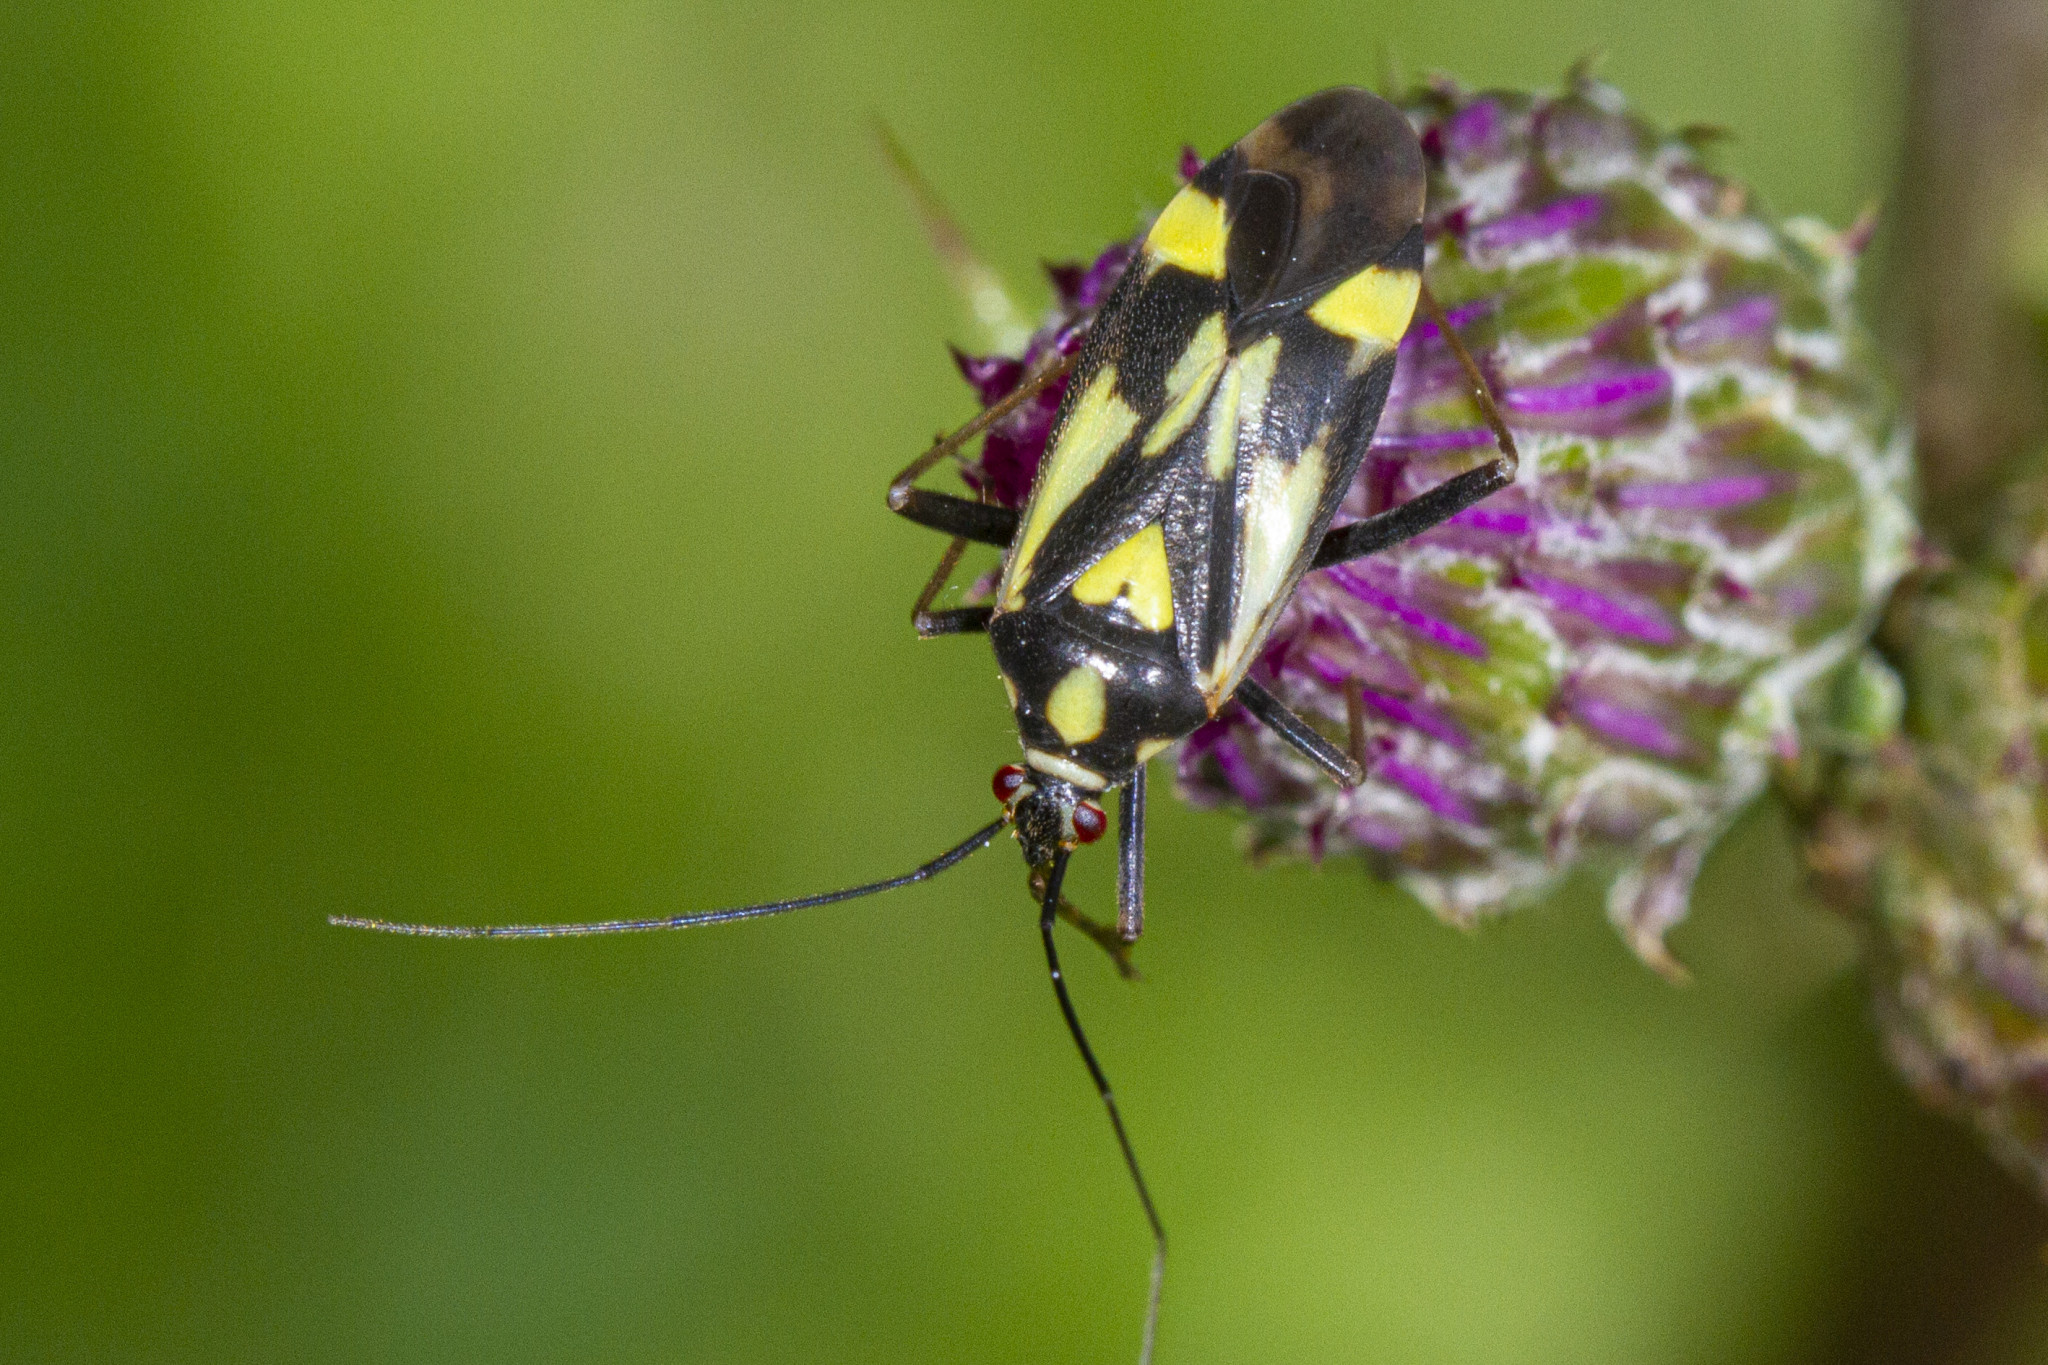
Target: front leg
x,y
955,621
1130,859
960,517
963,517
1104,936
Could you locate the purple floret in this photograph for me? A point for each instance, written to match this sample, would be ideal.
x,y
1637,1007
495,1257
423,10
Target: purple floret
x,y
1417,715
1437,631
1614,394
1440,799
1699,495
1548,221
1413,442
1638,729
1739,321
1613,611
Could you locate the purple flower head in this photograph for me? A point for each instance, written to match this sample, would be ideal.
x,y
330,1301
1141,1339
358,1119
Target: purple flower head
x,y
1595,664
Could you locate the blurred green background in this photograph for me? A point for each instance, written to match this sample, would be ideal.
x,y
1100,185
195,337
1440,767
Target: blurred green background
x,y
444,463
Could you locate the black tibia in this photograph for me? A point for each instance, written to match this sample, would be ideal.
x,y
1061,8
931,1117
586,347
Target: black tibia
x,y
1414,516
1047,909
1130,859
958,620
1448,498
958,516
1275,716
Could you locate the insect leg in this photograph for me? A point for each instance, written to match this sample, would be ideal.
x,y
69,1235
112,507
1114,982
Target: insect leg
x,y
1448,498
1275,716
1354,720
957,620
1130,859
964,517
1046,914
1105,937
980,522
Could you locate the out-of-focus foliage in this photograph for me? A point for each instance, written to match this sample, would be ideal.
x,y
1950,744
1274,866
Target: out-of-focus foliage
x,y
1930,831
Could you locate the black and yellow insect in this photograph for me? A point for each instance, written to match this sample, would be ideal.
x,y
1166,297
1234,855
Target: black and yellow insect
x,y
1220,408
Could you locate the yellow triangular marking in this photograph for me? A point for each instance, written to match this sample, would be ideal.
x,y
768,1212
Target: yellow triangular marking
x,y
1099,424
1188,384
1135,571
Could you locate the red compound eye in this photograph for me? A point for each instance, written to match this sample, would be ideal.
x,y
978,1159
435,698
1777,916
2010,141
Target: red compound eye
x,y
1089,822
1008,778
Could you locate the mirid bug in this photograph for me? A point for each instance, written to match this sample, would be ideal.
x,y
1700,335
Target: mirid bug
x,y
1214,417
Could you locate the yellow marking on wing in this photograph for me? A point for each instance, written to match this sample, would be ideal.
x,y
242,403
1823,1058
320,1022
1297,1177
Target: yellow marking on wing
x,y
1099,424
1257,365
1373,308
1135,571
1077,705
1149,749
1220,455
1188,384
1276,513
1205,348
1239,406
1189,233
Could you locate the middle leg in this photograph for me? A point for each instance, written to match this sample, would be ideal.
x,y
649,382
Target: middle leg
x,y
956,620
1448,498
1275,715
964,517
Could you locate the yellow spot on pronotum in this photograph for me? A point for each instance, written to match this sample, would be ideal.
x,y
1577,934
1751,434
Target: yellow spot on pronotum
x,y
1149,749
1135,571
1077,705
1097,427
1189,233
1373,308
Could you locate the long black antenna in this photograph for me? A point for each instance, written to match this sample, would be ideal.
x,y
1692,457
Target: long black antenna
x,y
971,844
1048,909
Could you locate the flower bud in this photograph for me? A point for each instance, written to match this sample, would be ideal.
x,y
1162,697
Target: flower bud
x,y
1932,841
